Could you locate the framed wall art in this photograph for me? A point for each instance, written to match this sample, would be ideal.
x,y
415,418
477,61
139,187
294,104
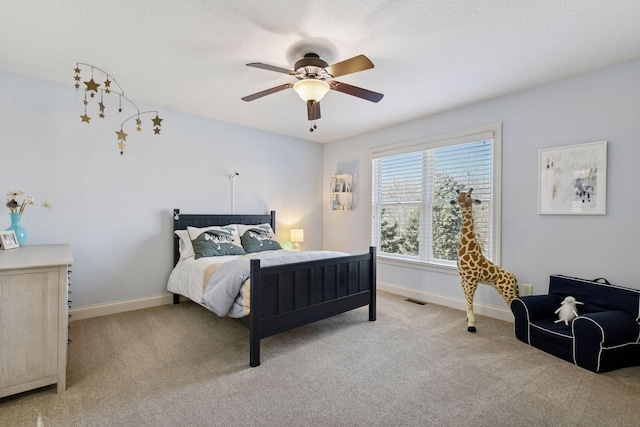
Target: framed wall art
x,y
572,180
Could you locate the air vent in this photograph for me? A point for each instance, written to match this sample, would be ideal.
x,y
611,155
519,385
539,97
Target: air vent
x,y
415,301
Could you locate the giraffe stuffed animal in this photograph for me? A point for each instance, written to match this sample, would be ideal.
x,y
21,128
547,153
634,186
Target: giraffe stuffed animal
x,y
473,266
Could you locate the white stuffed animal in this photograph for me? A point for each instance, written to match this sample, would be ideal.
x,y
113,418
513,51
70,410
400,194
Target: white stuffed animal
x,y
567,310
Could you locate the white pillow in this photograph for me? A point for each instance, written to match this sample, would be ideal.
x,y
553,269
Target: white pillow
x,y
185,246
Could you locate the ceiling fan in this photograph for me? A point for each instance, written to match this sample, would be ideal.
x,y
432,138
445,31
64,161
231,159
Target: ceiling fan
x,y
312,74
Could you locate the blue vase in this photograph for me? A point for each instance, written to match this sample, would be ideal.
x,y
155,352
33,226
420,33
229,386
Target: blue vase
x,y
21,233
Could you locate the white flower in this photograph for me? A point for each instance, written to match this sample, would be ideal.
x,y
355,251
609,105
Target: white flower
x,y
18,207
12,195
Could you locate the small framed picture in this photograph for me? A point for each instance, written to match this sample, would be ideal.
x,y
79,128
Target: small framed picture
x,y
9,239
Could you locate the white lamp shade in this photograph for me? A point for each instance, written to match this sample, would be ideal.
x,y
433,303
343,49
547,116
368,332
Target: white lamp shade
x,y
297,235
311,89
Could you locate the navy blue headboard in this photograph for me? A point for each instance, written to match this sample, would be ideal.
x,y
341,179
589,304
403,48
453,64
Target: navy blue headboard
x,y
182,221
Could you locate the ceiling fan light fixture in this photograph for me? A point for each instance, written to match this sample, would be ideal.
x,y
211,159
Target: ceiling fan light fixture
x,y
311,89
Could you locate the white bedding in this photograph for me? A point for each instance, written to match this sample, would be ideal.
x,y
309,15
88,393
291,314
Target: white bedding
x,y
187,276
192,277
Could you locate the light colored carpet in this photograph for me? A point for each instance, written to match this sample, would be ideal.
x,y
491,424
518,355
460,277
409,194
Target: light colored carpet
x,y
415,366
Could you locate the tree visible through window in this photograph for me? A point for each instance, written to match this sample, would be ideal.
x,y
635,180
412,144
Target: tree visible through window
x,y
412,191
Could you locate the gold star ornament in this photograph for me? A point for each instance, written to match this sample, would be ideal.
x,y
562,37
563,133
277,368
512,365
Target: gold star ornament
x,y
156,121
121,135
92,85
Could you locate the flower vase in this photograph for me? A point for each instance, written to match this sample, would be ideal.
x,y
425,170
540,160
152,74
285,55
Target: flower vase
x,y
21,233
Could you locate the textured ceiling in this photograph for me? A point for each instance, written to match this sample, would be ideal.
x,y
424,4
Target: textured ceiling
x,y
429,56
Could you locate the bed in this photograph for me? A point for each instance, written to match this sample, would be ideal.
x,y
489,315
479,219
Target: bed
x,y
288,295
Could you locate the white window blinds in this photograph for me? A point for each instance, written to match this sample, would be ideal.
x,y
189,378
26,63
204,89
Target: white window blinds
x,y
413,184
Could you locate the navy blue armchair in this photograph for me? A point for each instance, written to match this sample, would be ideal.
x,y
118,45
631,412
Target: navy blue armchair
x,y
605,335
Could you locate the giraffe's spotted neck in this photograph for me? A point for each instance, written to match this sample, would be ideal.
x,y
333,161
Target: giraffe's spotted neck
x,y
468,226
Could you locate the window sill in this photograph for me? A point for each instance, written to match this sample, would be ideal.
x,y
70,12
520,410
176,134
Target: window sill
x,y
423,265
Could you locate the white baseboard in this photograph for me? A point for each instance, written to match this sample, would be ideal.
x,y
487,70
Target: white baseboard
x,y
459,304
89,311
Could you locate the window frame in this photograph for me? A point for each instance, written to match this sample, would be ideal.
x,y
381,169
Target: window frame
x,y
488,131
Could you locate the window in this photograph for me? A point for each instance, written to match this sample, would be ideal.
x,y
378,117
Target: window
x,y
413,184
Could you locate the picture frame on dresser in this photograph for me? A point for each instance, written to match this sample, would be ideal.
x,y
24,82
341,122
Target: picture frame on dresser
x,y
8,239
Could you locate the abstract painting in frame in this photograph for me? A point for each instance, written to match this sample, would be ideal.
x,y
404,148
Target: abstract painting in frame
x,y
572,180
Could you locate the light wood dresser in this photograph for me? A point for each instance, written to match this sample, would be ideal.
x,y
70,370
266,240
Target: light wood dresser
x,y
33,317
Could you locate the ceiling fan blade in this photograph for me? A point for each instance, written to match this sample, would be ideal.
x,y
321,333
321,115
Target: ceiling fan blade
x,y
267,92
369,95
313,110
271,68
355,64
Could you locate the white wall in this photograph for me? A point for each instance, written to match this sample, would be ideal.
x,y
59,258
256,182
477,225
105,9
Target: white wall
x,y
115,210
602,105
